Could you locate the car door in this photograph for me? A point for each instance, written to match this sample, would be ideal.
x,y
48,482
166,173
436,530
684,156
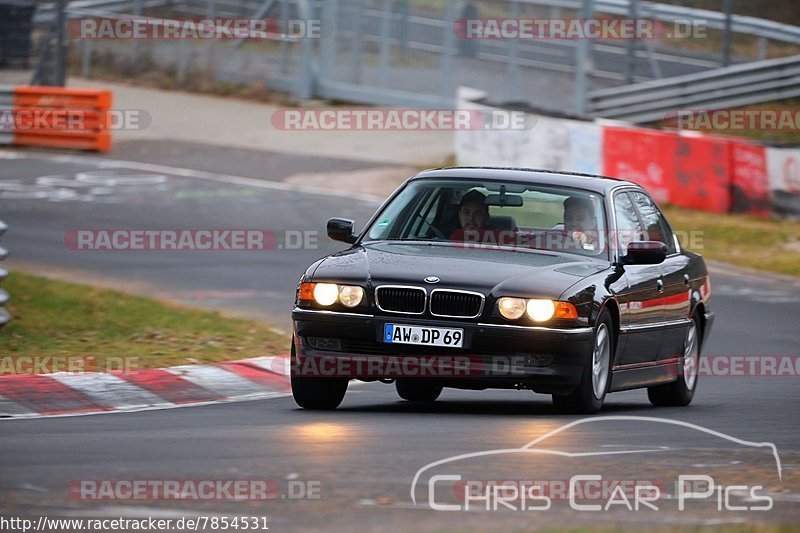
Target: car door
x,y
641,304
674,277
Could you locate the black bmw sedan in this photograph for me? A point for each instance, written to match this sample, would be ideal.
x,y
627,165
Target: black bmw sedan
x,y
474,278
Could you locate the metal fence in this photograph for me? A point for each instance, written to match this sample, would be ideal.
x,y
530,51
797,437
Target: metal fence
x,y
406,52
4,314
740,85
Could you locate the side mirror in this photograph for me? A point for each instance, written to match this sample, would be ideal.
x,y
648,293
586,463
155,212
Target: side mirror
x,y
342,229
646,253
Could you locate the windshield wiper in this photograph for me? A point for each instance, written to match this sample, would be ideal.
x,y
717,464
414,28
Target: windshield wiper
x,y
407,239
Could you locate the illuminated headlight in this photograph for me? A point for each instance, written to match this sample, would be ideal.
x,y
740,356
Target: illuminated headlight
x,y
326,294
541,310
350,295
538,310
511,308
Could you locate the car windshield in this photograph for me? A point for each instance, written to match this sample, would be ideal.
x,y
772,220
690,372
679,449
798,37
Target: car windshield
x,y
496,214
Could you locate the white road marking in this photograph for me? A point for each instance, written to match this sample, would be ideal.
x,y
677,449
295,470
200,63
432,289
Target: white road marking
x,y
33,488
755,295
197,174
107,178
130,511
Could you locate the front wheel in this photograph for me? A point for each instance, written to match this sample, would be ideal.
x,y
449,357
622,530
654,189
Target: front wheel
x,y
681,391
588,396
316,393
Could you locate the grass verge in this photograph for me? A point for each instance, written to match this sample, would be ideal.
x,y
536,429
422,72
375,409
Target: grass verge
x,y
766,244
59,319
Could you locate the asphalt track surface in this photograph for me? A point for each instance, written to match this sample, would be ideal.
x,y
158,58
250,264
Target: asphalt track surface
x,y
364,456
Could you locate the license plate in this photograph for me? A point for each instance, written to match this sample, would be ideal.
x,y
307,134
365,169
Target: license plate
x,y
403,334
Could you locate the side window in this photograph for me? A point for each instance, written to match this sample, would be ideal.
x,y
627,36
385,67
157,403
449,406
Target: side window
x,y
656,227
628,227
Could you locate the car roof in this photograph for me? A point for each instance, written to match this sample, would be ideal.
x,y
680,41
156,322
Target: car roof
x,y
576,180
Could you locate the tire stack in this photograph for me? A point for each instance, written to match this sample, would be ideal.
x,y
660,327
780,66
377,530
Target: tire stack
x,y
4,315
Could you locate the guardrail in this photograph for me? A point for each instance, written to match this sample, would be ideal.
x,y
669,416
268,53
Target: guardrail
x,y
759,27
55,117
46,13
363,41
4,314
722,88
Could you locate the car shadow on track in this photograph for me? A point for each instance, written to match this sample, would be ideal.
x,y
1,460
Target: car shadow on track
x,y
486,407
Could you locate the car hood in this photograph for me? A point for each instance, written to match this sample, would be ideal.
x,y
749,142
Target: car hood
x,y
489,271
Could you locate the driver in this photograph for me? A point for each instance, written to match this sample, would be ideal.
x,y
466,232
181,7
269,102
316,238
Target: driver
x,y
473,213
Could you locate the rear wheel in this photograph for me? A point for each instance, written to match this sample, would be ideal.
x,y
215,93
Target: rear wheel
x,y
681,391
317,393
414,390
588,396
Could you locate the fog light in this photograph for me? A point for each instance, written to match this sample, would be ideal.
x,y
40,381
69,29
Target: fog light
x,y
324,343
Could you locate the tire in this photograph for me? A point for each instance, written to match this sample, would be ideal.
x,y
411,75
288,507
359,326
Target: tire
x,y
588,396
681,391
317,393
418,390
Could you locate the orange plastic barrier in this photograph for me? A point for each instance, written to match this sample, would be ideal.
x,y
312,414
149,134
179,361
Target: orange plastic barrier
x,y
56,117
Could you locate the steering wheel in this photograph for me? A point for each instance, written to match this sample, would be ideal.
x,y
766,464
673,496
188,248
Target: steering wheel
x,y
432,228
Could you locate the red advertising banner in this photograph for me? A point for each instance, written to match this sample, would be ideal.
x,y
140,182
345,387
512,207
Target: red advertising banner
x,y
642,156
702,173
750,181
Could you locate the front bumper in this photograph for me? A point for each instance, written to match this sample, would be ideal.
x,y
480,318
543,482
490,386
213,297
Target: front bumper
x,y
494,355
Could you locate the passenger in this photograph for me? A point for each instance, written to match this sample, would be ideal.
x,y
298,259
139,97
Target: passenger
x,y
580,222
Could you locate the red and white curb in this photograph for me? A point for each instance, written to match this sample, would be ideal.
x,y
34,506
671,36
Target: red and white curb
x,y
70,394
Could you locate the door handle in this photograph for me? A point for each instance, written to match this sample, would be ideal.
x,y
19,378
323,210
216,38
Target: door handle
x,y
660,285
686,279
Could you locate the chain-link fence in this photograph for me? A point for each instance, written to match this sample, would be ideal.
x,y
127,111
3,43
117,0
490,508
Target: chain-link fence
x,y
413,52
